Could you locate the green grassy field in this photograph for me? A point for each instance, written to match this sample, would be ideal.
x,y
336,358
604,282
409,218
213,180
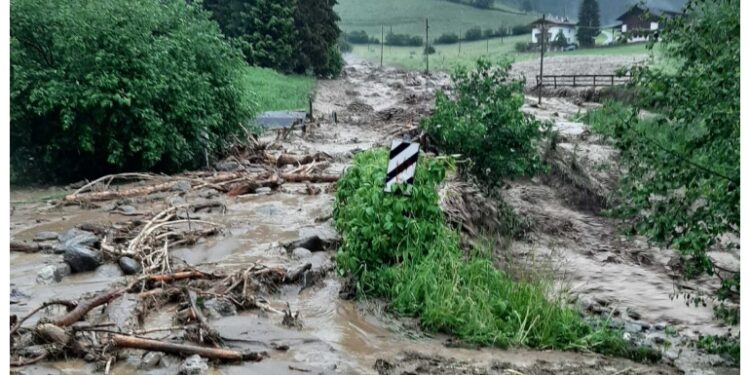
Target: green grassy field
x,y
447,56
274,91
409,16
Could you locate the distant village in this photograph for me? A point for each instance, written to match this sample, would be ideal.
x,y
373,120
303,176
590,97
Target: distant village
x,y
638,24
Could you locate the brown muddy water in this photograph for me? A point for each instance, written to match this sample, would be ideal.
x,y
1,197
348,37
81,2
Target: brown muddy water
x,y
602,269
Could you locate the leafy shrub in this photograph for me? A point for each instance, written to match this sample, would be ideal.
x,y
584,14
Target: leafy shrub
x,y
447,38
689,157
398,247
403,40
485,115
474,33
103,86
489,33
429,50
360,37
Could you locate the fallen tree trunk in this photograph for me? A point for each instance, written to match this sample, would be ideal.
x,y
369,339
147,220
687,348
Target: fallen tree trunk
x,y
25,247
169,277
84,307
308,178
246,187
123,341
285,159
117,194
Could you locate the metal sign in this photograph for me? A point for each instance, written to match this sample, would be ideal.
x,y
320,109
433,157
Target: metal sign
x,y
402,164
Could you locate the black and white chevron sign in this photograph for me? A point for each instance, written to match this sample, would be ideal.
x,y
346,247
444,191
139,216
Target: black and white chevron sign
x,y
401,165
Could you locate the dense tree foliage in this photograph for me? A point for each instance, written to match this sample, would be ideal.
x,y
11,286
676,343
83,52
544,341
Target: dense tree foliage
x,y
287,35
588,23
263,28
317,31
447,38
474,33
100,86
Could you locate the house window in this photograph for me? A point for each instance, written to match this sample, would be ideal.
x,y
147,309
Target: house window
x,y
654,26
624,28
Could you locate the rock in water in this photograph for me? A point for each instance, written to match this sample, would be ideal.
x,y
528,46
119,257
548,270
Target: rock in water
x,y
301,253
219,307
129,265
150,360
47,275
182,186
109,271
81,258
77,237
194,365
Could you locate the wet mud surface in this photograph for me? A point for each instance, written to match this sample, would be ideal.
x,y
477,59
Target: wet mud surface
x,y
603,269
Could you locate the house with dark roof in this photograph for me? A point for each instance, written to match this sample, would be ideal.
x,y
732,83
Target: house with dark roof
x,y
639,24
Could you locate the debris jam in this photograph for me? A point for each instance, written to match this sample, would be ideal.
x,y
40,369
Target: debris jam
x,y
232,269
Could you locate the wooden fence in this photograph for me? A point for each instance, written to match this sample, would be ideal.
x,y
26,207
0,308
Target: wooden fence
x,y
582,80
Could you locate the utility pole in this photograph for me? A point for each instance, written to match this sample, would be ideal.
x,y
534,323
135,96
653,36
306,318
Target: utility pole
x,y
541,58
382,42
488,46
427,43
459,41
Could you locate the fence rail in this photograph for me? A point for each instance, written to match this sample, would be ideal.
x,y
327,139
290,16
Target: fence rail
x,y
582,80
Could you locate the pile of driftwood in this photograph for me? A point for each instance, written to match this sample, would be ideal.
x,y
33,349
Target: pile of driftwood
x,y
271,169
72,335
83,330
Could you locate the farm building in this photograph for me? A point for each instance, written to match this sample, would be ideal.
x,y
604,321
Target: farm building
x,y
639,24
553,26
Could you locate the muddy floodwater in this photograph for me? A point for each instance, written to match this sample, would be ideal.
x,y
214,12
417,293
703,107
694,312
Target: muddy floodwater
x,y
603,271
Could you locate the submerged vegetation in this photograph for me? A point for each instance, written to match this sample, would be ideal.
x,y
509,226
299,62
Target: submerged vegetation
x,y
398,247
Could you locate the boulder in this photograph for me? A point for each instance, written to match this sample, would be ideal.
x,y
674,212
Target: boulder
x,y
129,266
301,253
109,271
81,258
227,165
182,186
193,365
219,307
76,236
150,360
47,275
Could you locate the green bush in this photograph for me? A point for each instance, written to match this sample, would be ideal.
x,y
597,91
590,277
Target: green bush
x,y
484,123
111,85
474,33
447,38
682,186
393,39
398,247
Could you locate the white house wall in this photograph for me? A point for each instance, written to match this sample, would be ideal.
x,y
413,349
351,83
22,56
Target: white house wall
x,y
568,32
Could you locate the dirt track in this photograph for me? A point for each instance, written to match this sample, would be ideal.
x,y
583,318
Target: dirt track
x,y
339,336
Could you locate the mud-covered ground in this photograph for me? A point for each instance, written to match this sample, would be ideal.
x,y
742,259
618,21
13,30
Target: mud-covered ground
x,y
603,270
